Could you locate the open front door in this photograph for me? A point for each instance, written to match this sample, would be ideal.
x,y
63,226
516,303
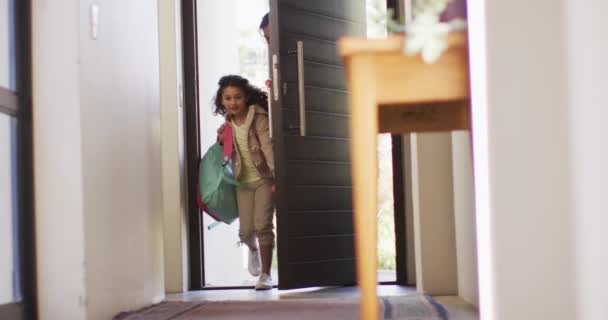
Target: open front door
x,y
311,136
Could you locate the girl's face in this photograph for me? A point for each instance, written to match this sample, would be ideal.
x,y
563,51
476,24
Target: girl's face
x,y
234,100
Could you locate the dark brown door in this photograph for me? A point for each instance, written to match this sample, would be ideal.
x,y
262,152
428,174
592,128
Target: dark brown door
x,y
311,136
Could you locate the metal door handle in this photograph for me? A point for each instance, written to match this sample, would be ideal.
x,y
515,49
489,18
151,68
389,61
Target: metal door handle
x,y
301,89
275,76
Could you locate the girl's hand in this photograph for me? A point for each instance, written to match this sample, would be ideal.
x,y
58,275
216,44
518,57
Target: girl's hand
x,y
221,128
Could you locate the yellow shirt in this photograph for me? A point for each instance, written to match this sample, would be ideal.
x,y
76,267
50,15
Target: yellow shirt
x,y
248,172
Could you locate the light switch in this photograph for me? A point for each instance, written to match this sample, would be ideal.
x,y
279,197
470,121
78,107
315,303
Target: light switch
x,y
180,96
94,20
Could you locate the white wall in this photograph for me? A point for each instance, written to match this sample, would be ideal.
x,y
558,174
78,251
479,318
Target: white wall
x,y
58,160
120,116
523,155
464,217
587,68
440,214
433,211
173,155
97,163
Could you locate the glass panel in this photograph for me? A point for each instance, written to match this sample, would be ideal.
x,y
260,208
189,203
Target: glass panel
x,y
8,208
224,262
7,44
387,258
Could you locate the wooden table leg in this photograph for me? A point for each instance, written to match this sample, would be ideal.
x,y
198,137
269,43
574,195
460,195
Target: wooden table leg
x,y
364,133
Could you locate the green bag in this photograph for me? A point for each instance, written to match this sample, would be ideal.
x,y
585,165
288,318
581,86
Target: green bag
x,y
217,187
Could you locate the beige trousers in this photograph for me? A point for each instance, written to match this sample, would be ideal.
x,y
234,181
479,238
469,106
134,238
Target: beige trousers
x,y
256,212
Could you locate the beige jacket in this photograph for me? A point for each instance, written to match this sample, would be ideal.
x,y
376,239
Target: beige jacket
x,y
259,141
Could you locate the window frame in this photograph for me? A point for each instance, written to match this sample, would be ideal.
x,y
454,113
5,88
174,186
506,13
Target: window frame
x,y
8,102
17,103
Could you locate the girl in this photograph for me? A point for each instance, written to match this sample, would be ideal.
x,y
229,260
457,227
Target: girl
x,y
246,110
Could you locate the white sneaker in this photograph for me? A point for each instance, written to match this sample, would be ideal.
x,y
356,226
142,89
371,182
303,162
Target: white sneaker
x,y
254,264
264,282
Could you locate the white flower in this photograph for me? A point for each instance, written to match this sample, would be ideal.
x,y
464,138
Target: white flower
x,y
428,36
434,7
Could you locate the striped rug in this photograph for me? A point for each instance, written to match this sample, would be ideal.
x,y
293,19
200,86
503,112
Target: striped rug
x,y
408,307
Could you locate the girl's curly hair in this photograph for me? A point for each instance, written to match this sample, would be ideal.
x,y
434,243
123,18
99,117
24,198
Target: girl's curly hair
x,y
253,94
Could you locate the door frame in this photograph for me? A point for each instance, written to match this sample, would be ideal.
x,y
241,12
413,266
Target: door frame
x,y
193,152
18,103
399,187
276,124
196,257
399,210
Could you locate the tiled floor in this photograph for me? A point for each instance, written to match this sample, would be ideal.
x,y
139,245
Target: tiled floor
x,y
457,308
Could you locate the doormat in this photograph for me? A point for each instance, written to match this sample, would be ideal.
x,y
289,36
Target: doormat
x,y
407,307
160,311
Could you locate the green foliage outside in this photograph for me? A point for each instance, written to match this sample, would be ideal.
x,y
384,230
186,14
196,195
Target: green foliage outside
x,y
386,217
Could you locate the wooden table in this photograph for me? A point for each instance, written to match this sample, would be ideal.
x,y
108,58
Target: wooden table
x,y
391,92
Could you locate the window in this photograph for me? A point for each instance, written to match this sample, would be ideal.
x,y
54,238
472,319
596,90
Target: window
x,y
16,218
7,44
8,208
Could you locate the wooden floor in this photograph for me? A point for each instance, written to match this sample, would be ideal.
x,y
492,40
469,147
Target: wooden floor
x,y
457,308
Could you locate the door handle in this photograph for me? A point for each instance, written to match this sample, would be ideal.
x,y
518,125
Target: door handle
x,y
275,76
299,52
301,89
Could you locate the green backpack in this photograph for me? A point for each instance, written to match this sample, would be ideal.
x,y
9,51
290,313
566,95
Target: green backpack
x,y
217,187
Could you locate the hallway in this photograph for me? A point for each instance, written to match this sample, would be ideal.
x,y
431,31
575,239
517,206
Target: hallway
x,y
311,303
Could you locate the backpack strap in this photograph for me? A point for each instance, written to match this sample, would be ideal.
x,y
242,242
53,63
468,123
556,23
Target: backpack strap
x,y
227,138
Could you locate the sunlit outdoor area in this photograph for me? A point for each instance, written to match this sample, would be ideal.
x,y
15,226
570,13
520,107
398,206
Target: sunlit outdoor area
x,y
233,45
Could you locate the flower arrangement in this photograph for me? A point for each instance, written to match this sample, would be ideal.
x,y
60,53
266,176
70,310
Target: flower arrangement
x,y
426,33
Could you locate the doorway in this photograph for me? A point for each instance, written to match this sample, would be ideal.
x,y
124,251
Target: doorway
x,y
234,47
211,247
